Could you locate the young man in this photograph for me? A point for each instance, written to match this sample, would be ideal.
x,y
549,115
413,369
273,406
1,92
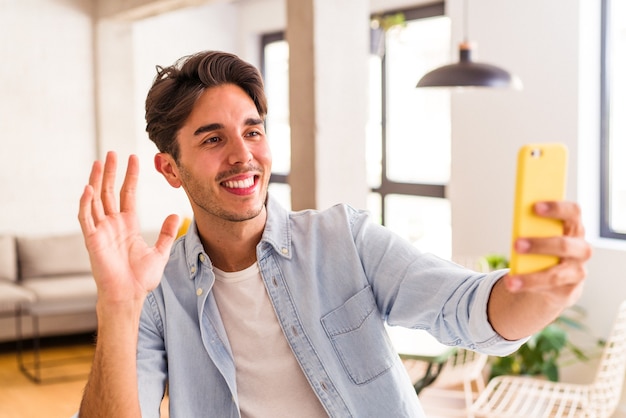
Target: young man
x,y
259,312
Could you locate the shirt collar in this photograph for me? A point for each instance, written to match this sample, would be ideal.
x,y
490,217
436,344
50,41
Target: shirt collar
x,y
276,235
277,231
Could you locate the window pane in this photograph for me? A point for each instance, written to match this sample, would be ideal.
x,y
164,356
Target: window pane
x,y
418,120
277,92
617,126
424,221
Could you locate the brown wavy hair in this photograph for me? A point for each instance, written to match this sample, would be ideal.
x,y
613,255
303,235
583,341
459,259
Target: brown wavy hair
x,y
176,88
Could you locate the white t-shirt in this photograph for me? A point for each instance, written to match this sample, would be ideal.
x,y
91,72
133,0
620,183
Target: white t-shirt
x,y
270,382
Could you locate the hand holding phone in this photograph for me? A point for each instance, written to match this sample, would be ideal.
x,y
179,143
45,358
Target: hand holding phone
x,y
541,175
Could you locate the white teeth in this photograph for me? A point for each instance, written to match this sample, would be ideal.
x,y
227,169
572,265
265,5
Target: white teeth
x,y
240,184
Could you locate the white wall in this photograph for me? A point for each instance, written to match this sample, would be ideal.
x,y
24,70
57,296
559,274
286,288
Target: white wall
x,y
489,125
47,113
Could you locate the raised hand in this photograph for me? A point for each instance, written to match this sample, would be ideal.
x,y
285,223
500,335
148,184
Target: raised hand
x,y
124,266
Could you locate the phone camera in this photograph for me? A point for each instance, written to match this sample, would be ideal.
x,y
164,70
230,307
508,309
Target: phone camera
x,y
535,153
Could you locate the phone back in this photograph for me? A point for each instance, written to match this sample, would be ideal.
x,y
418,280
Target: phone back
x,y
541,175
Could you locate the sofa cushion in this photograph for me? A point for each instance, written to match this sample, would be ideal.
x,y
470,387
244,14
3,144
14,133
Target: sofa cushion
x,y
8,258
63,294
52,256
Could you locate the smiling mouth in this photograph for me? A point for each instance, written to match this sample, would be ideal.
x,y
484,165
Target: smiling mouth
x,y
240,184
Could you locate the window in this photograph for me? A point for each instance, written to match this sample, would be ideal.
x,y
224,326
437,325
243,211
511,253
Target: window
x,y
409,132
275,69
408,135
613,125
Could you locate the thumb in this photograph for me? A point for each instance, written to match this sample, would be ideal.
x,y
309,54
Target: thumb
x,y
167,235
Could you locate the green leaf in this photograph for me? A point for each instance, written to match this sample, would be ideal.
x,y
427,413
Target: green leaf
x,y
580,355
570,322
495,261
551,371
551,338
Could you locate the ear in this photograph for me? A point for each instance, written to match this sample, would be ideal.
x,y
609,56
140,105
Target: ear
x,y
165,164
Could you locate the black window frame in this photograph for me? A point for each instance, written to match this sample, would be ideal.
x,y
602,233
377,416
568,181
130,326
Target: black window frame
x,y
605,122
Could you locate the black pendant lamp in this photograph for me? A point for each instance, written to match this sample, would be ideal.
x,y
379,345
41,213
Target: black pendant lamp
x,y
467,73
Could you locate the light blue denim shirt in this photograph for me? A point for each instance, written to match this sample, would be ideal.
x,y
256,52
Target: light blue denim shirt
x,y
334,278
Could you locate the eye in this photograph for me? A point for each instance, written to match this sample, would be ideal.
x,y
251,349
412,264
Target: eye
x,y
254,133
211,140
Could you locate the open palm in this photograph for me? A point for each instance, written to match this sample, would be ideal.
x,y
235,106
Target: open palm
x,y
124,266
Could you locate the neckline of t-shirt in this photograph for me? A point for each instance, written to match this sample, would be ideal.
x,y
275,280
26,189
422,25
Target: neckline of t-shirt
x,y
237,276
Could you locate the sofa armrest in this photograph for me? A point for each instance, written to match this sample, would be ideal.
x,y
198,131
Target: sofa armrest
x,y
8,258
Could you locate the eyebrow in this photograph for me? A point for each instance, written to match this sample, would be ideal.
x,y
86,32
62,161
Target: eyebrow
x,y
215,126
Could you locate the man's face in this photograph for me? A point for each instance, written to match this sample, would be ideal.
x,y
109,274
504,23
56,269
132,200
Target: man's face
x,y
225,160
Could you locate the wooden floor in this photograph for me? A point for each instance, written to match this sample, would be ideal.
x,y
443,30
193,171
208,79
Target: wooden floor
x,y
67,363
57,395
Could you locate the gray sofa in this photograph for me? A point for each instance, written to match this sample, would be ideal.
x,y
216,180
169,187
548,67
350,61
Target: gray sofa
x,y
50,277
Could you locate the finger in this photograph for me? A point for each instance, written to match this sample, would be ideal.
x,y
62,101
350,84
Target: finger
x,y
167,235
129,187
564,274
109,202
95,181
562,247
568,212
85,217
574,228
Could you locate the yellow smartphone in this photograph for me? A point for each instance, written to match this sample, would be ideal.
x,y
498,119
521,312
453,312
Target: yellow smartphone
x,y
541,176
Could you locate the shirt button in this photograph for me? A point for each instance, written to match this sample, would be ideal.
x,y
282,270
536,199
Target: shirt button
x,y
199,291
202,258
193,269
284,250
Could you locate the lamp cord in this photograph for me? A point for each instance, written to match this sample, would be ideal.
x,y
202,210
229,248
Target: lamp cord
x,y
465,21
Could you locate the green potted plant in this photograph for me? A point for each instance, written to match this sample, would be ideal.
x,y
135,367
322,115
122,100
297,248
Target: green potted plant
x,y
547,350
379,25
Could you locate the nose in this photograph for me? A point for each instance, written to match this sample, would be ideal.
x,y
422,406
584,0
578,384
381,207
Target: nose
x,y
238,151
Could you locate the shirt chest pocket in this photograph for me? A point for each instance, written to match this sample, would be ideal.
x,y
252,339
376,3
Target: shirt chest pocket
x,y
359,338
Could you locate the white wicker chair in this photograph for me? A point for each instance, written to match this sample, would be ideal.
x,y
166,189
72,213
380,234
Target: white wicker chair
x,y
514,396
462,378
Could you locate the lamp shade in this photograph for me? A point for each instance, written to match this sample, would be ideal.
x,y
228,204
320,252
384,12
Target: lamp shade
x,y
467,73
